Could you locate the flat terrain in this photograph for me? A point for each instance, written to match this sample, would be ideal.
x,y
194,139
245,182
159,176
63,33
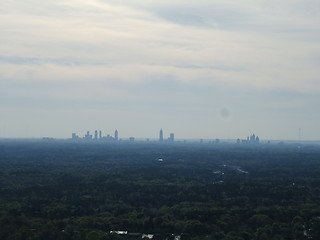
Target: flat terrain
x,y
73,190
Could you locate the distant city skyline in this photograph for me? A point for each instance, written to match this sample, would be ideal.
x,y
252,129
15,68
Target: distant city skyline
x,y
95,134
162,136
201,69
252,139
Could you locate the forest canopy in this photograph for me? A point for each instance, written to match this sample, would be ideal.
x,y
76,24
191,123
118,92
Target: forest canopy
x,y
66,190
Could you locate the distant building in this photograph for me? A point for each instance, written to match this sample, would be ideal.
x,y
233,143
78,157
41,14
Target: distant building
x,y
253,139
88,136
116,135
161,135
131,139
74,136
171,138
100,134
96,134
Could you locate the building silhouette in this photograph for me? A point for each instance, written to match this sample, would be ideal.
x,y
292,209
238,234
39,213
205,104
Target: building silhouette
x,y
253,139
74,136
116,135
88,136
161,135
171,138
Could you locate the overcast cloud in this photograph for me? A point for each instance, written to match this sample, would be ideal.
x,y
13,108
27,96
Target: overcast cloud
x,y
201,69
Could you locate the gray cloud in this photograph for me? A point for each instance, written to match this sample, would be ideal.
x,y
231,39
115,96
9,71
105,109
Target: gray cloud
x,y
173,64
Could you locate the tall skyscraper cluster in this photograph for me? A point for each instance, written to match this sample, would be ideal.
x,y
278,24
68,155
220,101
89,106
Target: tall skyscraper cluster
x,y
252,139
170,139
97,136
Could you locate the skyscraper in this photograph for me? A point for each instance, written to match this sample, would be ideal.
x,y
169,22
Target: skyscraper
x,y
253,139
171,139
161,135
74,136
96,134
88,136
116,135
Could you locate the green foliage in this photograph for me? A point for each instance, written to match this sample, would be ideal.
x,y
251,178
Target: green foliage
x,y
84,191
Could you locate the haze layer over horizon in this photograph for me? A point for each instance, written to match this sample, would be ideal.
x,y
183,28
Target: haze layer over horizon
x,y
200,69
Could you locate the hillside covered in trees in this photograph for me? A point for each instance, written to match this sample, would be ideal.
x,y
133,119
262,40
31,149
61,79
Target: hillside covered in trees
x,y
65,190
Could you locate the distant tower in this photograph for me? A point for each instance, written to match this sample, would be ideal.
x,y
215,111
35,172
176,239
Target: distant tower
x,y
161,135
96,134
88,136
171,139
299,135
116,137
74,136
252,138
100,134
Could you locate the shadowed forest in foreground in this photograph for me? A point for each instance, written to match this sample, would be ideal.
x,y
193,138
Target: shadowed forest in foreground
x,y
64,190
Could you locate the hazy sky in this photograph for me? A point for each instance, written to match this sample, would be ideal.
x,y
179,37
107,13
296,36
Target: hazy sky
x,y
198,68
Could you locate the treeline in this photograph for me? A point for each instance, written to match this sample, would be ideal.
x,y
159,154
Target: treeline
x,y
84,191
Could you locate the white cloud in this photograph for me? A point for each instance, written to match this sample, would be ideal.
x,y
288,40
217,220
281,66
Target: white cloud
x,y
102,33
